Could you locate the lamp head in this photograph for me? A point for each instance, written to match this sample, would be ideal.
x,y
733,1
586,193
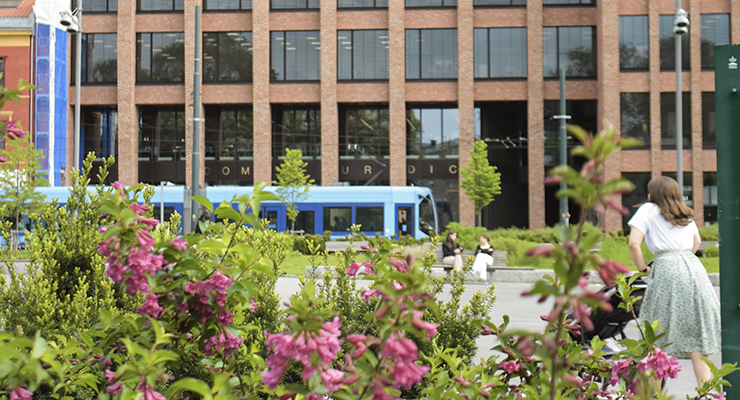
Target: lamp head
x,y
681,23
69,20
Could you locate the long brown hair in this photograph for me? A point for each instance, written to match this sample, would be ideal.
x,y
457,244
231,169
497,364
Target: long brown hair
x,y
448,241
665,193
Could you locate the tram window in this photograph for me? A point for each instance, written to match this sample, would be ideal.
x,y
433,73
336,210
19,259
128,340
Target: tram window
x,y
426,216
305,222
168,211
370,218
337,219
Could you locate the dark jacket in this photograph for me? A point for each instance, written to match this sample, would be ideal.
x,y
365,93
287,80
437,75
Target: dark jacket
x,y
450,250
488,251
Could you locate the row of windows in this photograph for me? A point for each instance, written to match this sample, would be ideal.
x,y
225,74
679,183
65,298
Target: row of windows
x,y
226,5
361,55
634,49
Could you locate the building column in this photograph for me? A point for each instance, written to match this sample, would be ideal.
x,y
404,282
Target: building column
x,y
609,103
655,125
329,107
535,119
465,100
128,116
734,22
262,120
397,91
697,159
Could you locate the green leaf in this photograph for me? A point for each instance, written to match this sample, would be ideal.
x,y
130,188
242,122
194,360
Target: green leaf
x,y
227,213
195,386
204,202
39,347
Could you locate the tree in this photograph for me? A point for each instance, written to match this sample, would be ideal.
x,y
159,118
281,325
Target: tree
x,y
293,182
481,181
19,178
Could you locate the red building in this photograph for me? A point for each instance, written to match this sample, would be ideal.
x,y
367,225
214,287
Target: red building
x,y
16,53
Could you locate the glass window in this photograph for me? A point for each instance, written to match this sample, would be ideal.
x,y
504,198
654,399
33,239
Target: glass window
x,y
365,134
2,77
635,117
688,186
305,221
668,46
500,52
227,57
227,5
229,134
715,30
337,219
160,57
296,128
296,56
710,197
362,54
432,133
636,197
99,131
584,113
161,5
572,48
668,120
568,2
99,58
370,219
709,120
100,5
295,4
362,4
499,3
634,51
431,3
162,144
431,53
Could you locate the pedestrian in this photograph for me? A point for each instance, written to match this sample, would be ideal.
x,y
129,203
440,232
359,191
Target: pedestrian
x,y
451,252
679,293
483,258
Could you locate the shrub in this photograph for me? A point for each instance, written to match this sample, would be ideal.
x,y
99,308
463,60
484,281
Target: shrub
x,y
711,251
300,243
710,232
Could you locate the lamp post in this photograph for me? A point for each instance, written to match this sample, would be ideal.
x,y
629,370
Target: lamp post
x,y
73,21
680,28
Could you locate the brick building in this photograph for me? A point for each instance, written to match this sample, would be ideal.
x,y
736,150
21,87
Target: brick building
x,y
16,35
396,91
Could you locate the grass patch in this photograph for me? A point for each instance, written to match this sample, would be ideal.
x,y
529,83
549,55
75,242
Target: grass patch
x,y
296,264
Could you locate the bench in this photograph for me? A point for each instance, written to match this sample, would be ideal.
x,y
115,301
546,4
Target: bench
x,y
499,259
333,247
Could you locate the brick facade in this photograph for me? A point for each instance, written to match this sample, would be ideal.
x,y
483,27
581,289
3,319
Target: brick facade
x,y
398,94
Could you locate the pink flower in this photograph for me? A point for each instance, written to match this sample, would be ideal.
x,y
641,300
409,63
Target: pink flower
x,y
180,243
224,341
352,269
620,368
3,159
407,374
314,396
150,307
115,388
399,349
14,130
540,251
225,317
401,266
367,294
252,304
149,392
461,380
583,314
139,208
609,269
332,379
118,186
661,363
18,393
380,394
719,396
510,366
428,327
553,180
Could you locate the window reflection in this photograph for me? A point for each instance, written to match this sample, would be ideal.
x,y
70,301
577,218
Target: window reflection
x,y
161,5
369,218
294,4
362,54
227,57
432,133
362,4
668,46
668,120
431,3
499,2
99,58
162,144
296,128
567,2
227,5
100,5
431,53
715,30
365,134
633,42
296,56
229,134
709,120
635,117
337,219
99,131
160,57
571,48
500,52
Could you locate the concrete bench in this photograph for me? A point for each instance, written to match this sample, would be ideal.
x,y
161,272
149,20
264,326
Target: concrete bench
x,y
499,259
333,247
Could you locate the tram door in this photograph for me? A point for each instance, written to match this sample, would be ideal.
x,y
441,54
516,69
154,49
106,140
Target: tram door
x,y
276,219
405,220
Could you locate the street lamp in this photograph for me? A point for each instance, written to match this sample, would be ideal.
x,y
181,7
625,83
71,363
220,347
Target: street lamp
x,y
680,28
72,20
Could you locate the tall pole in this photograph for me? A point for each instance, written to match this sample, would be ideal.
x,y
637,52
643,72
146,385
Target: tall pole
x,y
679,108
195,209
78,79
564,216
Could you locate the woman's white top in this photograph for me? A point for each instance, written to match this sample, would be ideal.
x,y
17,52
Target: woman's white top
x,y
661,235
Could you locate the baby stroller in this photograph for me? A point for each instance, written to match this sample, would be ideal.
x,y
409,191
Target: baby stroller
x,y
608,324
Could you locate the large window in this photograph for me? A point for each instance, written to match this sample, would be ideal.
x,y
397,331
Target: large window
x,y
362,54
226,5
365,134
99,131
431,3
162,144
431,53
499,3
668,46
295,4
99,59
229,134
161,5
634,51
227,57
688,186
635,117
568,2
572,48
337,219
296,128
296,56
433,133
160,57
370,219
715,30
362,4
711,198
500,52
709,120
100,5
636,197
668,120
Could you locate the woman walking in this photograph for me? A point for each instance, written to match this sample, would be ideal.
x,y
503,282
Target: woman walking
x,y
679,294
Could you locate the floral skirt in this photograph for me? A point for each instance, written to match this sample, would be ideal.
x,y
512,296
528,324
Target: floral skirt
x,y
681,297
